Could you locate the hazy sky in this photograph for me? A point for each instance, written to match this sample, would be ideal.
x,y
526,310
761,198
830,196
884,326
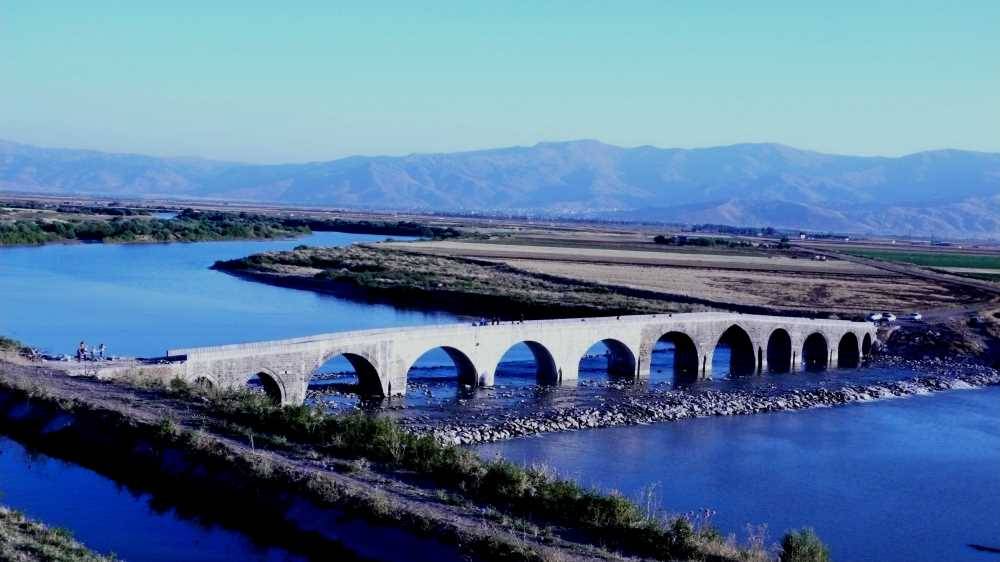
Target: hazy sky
x,y
301,80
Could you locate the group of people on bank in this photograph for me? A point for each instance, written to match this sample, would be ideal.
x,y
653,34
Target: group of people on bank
x,y
84,353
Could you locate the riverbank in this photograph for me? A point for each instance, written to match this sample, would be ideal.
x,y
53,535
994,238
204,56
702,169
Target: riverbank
x,y
443,283
357,465
664,405
25,540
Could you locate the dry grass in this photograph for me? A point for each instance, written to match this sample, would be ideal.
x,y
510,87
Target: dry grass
x,y
586,284
717,259
779,290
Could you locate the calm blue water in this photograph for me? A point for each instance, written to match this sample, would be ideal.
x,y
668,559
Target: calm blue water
x,y
910,479
109,518
141,299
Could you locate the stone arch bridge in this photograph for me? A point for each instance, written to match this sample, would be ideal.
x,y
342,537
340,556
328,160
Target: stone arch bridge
x,y
382,358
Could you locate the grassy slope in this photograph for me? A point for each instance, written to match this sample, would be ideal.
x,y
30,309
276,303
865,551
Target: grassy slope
x,y
22,539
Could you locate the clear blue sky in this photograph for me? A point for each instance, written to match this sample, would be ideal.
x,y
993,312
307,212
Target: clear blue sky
x,y
295,81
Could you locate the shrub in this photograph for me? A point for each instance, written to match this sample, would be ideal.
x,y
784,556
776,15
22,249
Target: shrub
x,y
504,481
167,428
803,546
8,344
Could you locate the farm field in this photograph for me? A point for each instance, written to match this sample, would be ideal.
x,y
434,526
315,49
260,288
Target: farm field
x,y
836,293
777,280
578,253
953,261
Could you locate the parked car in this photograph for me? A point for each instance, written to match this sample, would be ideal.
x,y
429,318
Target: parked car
x,y
915,316
882,317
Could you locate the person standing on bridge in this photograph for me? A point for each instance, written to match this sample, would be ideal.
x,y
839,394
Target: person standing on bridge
x,y
81,351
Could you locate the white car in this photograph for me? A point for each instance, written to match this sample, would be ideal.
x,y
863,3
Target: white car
x,y
916,316
882,317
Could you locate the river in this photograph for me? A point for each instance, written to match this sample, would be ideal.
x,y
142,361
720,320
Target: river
x,y
913,479
140,299
111,518
909,479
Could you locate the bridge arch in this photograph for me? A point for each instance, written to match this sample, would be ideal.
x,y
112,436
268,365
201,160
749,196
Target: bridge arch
x,y
815,352
464,367
621,361
546,370
270,384
742,351
848,351
866,347
779,351
369,379
683,355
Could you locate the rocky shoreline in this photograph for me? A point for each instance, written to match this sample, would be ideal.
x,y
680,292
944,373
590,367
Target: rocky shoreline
x,y
936,376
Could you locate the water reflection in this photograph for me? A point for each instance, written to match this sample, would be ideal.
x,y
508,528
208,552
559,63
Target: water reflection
x,y
112,518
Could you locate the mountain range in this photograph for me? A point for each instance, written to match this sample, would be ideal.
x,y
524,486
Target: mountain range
x,y
942,193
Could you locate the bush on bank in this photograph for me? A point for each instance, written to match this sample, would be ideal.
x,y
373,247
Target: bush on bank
x,y
534,493
188,226
803,546
10,345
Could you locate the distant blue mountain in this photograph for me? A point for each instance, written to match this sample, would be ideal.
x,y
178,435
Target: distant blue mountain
x,y
945,193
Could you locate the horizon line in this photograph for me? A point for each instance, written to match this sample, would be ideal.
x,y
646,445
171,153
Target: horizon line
x,y
488,149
